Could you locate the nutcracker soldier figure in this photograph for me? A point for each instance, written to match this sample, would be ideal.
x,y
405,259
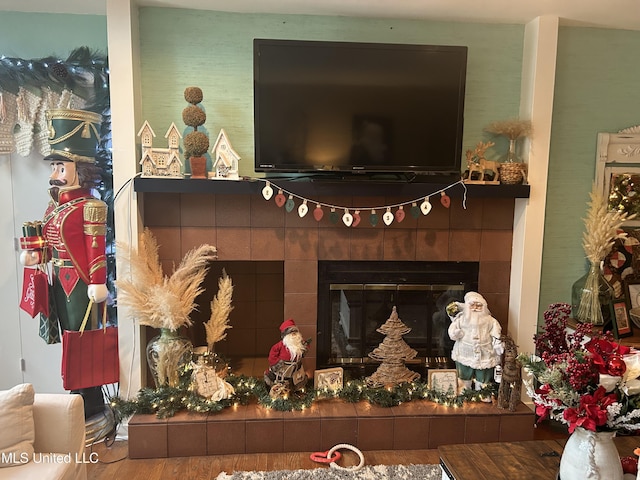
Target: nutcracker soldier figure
x,y
74,227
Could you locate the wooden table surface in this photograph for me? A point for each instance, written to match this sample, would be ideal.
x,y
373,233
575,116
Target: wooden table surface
x,y
536,460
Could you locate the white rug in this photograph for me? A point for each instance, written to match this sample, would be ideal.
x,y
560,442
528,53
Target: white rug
x,y
374,472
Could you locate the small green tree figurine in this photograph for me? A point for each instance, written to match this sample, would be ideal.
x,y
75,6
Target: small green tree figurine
x,y
196,143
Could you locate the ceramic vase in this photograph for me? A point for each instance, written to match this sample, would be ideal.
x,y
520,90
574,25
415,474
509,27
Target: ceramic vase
x,y
167,356
590,455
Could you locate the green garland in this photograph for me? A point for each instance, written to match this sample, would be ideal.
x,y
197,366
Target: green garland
x,y
166,401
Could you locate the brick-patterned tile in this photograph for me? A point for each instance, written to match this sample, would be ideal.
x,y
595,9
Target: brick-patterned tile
x,y
300,276
496,245
399,244
338,430
187,435
334,243
270,287
438,218
197,210
432,245
482,429
266,213
445,430
411,433
267,243
494,277
226,437
469,218
265,436
464,245
193,237
147,437
303,307
367,244
162,209
498,214
375,433
234,243
169,243
302,435
301,243
517,428
233,211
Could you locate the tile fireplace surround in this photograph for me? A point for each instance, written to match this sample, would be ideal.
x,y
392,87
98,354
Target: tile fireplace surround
x,y
245,227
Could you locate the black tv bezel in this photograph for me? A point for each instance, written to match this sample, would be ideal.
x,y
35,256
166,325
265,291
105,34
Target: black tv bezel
x,y
444,169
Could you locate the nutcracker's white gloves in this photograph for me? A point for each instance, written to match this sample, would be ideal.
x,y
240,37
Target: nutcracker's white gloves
x,y
498,346
97,292
29,258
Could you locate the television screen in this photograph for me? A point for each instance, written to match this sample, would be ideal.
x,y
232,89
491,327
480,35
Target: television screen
x,y
339,106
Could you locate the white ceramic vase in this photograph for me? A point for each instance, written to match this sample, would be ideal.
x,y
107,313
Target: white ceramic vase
x,y
590,456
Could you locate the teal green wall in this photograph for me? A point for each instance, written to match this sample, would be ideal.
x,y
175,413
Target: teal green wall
x,y
214,51
596,90
37,35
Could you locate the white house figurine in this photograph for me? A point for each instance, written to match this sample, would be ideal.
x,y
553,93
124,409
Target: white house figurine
x,y
160,162
225,158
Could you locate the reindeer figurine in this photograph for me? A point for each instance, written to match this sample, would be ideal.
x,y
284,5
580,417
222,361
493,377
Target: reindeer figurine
x,y
480,169
511,384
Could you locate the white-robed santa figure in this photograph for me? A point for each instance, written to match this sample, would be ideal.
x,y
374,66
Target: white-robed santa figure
x,y
478,346
285,357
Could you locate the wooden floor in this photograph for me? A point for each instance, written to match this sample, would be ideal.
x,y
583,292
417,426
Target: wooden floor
x,y
113,462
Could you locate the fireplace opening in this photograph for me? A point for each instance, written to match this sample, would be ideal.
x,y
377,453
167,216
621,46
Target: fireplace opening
x,y
258,311
356,297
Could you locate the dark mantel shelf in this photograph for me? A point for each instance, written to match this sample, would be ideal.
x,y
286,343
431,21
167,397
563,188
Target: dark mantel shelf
x,y
307,188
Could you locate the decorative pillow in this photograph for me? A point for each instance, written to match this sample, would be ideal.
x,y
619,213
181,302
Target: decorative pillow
x,y
16,425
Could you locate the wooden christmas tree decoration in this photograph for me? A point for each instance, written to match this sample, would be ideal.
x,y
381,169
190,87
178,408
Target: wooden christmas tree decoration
x,y
393,352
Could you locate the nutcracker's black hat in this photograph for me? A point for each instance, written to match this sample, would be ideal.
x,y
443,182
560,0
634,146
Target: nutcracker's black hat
x,y
73,135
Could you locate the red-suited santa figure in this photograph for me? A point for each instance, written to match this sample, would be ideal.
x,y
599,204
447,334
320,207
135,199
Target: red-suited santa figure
x,y
285,357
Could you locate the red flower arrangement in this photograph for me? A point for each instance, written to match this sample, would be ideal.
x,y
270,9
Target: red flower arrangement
x,y
586,379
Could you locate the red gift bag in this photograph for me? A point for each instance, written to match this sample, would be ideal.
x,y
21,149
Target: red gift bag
x,y
90,357
35,292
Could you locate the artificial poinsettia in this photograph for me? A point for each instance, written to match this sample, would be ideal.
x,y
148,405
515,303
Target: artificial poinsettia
x,y
592,411
587,380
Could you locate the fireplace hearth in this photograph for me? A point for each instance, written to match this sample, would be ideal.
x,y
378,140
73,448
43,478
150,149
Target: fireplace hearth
x,y
357,297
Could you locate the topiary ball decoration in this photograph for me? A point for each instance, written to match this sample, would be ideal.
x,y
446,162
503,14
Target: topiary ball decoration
x,y
196,144
193,95
193,116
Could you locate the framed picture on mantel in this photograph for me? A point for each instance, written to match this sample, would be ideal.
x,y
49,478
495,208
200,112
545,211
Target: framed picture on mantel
x,y
632,288
621,317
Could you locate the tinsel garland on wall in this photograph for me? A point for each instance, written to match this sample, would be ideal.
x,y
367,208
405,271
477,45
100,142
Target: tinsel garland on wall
x,y
166,401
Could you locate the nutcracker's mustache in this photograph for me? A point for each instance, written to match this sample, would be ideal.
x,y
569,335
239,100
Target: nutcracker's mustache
x,y
57,183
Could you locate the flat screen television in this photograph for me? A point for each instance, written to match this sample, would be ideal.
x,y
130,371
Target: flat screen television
x,y
358,107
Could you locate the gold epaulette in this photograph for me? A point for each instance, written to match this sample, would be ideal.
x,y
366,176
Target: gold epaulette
x,y
95,211
95,217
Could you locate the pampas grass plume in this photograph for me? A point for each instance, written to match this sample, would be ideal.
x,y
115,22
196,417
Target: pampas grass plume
x,y
220,309
158,300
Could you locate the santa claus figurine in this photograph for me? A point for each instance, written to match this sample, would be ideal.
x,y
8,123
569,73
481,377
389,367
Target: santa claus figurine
x,y
285,357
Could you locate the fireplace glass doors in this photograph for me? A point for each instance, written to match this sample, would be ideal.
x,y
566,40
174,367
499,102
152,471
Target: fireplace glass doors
x,y
356,298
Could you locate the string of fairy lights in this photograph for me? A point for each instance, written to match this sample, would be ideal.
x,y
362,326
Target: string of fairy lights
x,y
165,401
352,216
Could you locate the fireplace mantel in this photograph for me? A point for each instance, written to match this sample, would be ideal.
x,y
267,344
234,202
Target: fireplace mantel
x,y
309,188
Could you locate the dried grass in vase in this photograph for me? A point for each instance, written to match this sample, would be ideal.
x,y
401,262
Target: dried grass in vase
x,y
602,229
513,128
221,307
157,300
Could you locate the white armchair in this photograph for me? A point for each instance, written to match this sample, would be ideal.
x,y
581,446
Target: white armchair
x,y
59,441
